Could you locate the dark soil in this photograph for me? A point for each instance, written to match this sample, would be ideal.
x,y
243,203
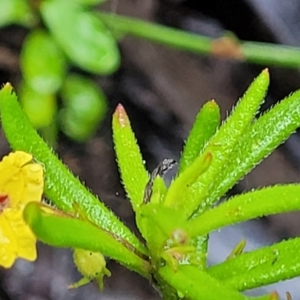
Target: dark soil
x,y
162,89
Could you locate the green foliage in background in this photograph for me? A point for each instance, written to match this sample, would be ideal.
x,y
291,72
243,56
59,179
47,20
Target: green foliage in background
x,y
62,34
175,221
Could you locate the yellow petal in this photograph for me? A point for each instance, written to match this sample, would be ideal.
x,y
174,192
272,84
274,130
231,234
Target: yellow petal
x,y
21,179
16,238
22,233
8,244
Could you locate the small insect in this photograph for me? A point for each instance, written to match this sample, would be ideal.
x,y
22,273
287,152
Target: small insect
x,y
166,165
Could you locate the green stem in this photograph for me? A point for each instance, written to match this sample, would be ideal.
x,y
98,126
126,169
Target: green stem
x,y
157,33
271,54
254,52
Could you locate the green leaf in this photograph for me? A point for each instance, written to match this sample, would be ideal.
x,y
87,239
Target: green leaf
x,y
61,187
157,225
204,127
82,36
156,188
263,136
159,190
39,108
42,63
258,203
47,225
195,284
132,168
225,140
260,267
15,12
84,107
176,196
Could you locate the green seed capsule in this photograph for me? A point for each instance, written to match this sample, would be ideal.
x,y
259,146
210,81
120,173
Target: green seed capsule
x,y
91,265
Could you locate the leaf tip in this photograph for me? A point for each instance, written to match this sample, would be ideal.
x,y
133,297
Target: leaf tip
x,y
265,72
120,116
7,87
212,103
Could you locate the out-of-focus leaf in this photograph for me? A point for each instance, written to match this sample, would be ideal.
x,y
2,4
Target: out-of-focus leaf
x,y
85,106
15,11
77,131
42,63
40,108
87,2
83,37
83,97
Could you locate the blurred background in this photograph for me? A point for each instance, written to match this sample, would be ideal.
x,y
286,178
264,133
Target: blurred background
x,y
162,89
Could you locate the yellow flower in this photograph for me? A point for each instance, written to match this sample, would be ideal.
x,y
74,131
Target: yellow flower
x,y
21,181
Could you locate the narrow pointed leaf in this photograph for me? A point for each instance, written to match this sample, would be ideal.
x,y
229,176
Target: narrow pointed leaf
x,y
159,190
263,136
226,139
260,267
47,225
204,127
61,186
194,284
179,189
267,201
133,172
